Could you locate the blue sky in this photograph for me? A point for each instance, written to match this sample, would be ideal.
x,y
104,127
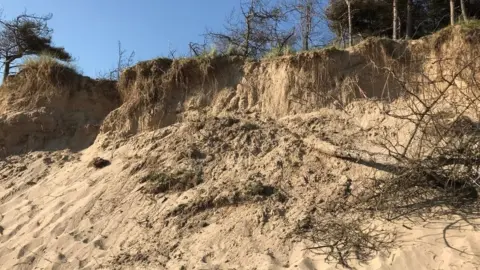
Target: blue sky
x,y
90,29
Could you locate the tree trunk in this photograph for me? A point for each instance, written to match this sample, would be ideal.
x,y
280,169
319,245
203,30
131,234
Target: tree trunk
x,y
409,19
246,49
452,12
464,11
307,24
394,35
382,162
399,25
119,62
6,69
350,41
248,24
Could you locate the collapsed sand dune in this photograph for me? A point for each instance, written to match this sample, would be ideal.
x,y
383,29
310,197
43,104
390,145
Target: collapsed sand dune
x,y
222,164
258,183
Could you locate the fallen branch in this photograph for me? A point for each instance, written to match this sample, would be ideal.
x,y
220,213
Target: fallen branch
x,y
374,160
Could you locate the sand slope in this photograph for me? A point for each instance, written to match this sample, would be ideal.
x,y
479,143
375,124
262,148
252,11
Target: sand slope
x,y
58,212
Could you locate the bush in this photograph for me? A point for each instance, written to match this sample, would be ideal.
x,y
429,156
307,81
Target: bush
x,y
279,51
160,182
471,24
209,54
233,50
45,61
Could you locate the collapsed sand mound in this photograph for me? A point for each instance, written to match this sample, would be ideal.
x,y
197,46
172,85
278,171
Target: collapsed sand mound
x,y
239,191
49,106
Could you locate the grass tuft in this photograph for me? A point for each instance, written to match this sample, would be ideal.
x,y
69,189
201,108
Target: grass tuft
x,y
46,61
280,51
160,182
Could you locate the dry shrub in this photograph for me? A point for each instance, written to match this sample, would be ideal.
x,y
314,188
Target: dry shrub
x,y
154,92
437,153
160,182
140,73
40,79
45,69
148,82
231,195
342,239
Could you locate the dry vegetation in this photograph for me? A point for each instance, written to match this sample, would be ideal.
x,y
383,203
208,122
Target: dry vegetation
x,y
436,174
45,81
159,182
49,100
43,73
155,91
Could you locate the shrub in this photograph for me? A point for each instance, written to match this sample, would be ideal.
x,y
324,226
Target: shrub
x,y
44,61
280,51
160,182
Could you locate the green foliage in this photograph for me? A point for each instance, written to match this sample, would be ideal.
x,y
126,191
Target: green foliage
x,y
280,51
210,54
470,24
254,30
233,50
374,17
27,34
369,17
331,48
